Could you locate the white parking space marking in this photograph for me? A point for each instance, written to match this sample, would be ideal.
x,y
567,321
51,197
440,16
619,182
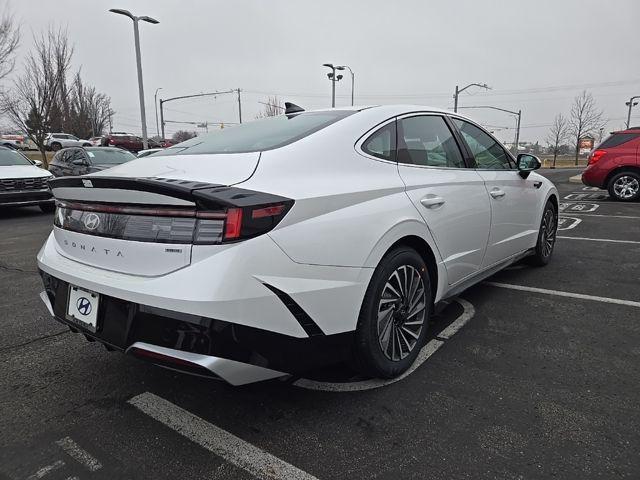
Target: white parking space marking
x,y
586,196
429,349
81,456
575,207
634,242
591,189
567,223
559,293
46,470
629,217
242,454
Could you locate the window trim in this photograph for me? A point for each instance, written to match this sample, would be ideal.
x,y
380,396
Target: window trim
x,y
513,162
453,134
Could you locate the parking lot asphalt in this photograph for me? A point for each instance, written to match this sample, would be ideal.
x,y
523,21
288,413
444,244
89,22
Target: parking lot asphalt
x,y
537,377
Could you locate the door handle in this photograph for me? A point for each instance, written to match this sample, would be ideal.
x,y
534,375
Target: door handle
x,y
432,201
497,193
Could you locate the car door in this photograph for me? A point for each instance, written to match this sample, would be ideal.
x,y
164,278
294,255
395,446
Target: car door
x,y
450,197
79,161
513,199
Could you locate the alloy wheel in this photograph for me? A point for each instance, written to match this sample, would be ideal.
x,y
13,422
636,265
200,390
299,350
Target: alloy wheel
x,y
401,312
626,187
548,232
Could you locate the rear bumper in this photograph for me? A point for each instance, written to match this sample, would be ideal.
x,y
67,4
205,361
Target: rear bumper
x,y
25,198
594,177
195,344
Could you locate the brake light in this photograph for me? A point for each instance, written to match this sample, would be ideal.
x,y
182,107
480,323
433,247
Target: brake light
x,y
596,155
233,224
271,211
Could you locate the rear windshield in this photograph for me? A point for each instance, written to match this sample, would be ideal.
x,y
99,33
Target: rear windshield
x,y
259,135
103,156
618,139
11,157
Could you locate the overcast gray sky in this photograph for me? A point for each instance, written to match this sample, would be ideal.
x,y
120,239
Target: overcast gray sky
x,y
536,54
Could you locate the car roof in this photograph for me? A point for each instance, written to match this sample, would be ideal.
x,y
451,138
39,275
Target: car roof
x,y
393,110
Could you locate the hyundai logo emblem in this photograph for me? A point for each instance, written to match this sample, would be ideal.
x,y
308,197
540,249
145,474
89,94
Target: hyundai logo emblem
x,y
84,306
91,221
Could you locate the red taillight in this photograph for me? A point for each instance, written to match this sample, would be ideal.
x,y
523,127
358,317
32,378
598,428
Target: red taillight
x,y
271,211
233,225
596,155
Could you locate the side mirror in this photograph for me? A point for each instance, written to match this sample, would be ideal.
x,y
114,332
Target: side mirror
x,y
527,163
37,163
79,162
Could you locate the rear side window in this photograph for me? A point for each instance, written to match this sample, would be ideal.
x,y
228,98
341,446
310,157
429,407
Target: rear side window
x,y
382,143
259,135
618,139
426,140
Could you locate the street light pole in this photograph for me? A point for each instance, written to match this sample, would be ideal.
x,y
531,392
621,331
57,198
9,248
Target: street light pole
x,y
353,76
518,114
136,36
460,90
155,104
631,104
334,78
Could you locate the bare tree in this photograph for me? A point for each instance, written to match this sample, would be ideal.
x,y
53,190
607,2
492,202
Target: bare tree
x,y
558,133
35,94
88,110
585,119
9,41
272,107
182,135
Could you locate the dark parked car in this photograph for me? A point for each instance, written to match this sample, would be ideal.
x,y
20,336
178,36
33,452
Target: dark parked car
x,y
126,141
615,165
83,160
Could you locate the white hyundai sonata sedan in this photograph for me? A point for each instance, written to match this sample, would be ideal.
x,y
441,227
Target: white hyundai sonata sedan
x,y
293,242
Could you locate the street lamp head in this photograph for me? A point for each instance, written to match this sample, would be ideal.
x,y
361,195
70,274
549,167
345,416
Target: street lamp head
x,y
330,76
339,77
149,19
330,65
121,11
340,67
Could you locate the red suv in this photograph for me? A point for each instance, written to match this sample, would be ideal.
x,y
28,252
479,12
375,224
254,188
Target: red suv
x,y
127,141
615,165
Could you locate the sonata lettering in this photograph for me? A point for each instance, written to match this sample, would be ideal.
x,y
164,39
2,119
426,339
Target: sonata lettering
x,y
92,249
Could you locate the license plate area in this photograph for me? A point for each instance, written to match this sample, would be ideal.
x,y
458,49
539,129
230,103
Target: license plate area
x,y
82,307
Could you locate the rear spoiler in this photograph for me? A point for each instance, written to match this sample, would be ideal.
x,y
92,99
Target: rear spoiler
x,y
204,195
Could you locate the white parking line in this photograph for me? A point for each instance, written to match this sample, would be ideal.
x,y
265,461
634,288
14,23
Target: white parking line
x,y
599,240
564,223
559,293
46,470
74,450
429,349
605,216
242,454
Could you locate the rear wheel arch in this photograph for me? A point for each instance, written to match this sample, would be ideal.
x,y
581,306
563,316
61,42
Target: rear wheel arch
x,y
424,250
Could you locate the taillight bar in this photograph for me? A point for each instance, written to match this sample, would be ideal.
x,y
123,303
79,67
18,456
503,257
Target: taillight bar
x,y
128,210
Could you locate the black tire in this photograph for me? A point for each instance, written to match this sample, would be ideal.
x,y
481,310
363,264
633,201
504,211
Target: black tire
x,y
370,356
47,207
55,146
546,237
625,186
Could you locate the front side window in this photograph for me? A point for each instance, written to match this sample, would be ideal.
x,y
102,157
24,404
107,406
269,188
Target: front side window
x,y
382,143
426,140
488,153
259,135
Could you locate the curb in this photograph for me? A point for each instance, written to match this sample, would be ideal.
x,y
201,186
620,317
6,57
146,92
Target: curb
x,y
575,179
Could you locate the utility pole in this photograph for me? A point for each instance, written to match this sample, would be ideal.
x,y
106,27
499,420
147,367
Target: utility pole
x,y
136,38
162,102
155,104
460,90
518,131
631,104
162,119
239,107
